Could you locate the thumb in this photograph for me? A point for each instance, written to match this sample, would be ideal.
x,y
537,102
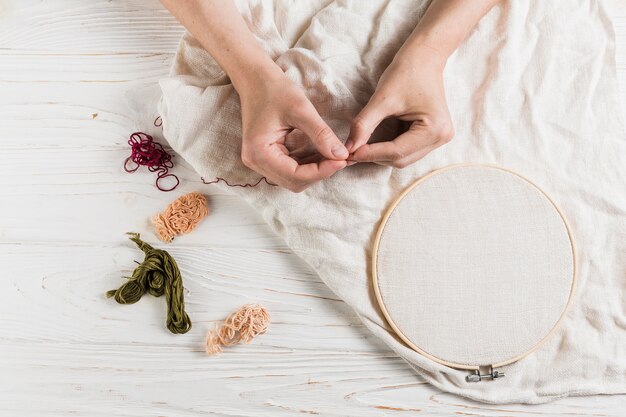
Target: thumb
x,y
322,136
364,124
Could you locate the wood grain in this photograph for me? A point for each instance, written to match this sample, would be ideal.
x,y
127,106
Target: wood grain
x,y
65,350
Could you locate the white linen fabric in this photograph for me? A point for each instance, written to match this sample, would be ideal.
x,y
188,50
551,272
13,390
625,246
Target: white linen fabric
x,y
474,266
533,89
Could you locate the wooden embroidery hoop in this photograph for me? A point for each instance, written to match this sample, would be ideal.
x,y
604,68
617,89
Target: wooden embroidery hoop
x,y
412,344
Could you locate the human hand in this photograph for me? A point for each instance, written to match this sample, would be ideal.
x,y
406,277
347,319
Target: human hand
x,y
271,105
411,89
272,108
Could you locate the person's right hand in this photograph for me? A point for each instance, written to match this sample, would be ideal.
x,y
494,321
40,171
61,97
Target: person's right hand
x,y
271,105
271,109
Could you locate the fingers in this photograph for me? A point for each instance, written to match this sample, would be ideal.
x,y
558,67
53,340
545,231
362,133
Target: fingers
x,y
277,166
364,124
407,148
308,120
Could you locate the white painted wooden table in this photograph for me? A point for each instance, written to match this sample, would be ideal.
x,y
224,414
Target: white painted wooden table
x,y
65,204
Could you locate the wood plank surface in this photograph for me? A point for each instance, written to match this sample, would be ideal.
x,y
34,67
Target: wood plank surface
x,y
65,204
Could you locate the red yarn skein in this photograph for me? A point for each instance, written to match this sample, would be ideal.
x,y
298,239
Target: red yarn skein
x,y
146,152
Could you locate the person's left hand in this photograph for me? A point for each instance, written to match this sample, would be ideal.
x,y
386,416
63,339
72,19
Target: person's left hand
x,y
411,89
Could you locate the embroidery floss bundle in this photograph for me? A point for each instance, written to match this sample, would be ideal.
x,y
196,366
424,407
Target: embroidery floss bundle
x,y
146,152
242,326
158,274
181,216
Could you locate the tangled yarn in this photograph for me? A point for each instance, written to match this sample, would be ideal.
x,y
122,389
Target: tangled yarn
x,y
181,216
158,274
146,152
242,326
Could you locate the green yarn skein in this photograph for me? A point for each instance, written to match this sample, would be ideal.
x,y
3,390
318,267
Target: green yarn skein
x,y
158,274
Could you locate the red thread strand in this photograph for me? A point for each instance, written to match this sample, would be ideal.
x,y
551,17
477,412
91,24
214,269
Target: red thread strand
x,y
146,152
218,179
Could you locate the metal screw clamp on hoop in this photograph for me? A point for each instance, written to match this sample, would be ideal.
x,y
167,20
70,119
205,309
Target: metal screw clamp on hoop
x,y
477,376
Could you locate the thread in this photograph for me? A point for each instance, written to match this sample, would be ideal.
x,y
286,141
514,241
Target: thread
x,y
218,179
250,321
181,216
146,152
158,274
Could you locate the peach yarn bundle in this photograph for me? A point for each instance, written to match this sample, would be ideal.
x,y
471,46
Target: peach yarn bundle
x,y
242,326
181,216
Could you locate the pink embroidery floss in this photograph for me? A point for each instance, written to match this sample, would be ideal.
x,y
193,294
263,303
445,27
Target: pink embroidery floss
x,y
245,324
181,216
146,152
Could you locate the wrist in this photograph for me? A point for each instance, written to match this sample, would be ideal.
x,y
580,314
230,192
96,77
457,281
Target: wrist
x,y
423,54
252,74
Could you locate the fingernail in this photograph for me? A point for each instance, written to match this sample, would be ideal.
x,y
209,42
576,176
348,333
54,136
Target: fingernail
x,y
349,144
350,163
339,151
